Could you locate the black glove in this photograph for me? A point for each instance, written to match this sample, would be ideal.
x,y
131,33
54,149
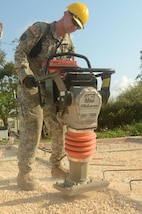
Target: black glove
x,y
30,81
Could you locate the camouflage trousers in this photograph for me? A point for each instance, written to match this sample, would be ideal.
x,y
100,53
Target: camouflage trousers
x,y
31,117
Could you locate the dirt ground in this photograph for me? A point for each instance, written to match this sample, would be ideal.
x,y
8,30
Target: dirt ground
x,y
119,161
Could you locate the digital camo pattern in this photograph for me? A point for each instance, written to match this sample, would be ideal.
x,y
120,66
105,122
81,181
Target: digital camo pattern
x,y
30,113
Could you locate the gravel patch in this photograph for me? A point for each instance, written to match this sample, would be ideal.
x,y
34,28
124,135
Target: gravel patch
x,y
118,161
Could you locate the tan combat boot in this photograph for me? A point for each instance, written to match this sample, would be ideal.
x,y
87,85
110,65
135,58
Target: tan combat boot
x,y
25,182
58,171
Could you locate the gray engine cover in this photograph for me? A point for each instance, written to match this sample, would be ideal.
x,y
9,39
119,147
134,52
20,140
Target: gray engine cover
x,y
85,108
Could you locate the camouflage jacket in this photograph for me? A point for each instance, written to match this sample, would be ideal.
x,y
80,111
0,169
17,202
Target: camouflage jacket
x,y
26,65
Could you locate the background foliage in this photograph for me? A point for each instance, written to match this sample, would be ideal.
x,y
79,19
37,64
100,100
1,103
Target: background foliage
x,y
8,84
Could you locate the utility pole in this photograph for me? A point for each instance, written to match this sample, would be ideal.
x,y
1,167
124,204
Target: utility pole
x,y
1,27
141,60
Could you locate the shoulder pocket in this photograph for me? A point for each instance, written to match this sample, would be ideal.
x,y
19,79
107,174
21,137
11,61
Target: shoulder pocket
x,y
37,48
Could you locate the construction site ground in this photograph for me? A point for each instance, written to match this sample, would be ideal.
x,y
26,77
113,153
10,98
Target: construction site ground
x,y
118,161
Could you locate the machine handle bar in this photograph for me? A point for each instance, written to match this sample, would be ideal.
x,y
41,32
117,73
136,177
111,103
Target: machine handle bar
x,y
78,69
67,54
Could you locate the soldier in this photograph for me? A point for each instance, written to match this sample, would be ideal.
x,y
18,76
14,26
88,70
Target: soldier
x,y
37,43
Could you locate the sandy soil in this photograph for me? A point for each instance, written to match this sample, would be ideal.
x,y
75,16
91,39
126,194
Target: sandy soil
x,y
118,161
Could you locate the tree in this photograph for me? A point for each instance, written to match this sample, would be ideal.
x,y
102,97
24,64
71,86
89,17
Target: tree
x,y
125,110
8,79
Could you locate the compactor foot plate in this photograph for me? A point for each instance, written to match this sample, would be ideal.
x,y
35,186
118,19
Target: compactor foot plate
x,y
79,188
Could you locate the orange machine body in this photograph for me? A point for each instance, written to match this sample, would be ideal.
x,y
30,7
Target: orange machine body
x,y
58,64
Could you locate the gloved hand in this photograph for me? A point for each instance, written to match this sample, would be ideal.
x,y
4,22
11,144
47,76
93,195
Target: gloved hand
x,y
30,81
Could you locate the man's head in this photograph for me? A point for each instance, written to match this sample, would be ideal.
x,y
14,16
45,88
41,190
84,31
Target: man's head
x,y
79,13
74,18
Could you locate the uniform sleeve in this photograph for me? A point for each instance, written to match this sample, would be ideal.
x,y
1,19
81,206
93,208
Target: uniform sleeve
x,y
27,41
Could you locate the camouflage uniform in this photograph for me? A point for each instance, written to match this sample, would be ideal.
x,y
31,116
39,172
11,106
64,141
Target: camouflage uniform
x,y
31,115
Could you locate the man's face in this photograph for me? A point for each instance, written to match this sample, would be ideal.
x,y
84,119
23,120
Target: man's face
x,y
69,24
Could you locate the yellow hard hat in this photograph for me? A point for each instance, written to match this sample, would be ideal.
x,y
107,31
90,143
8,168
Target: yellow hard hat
x,y
80,13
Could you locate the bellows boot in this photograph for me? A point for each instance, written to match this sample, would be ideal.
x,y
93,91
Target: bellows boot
x,y
58,171
26,182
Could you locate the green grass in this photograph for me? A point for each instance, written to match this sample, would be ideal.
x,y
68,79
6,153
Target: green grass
x,y
125,131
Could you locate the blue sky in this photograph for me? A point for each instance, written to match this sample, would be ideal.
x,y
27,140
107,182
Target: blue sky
x,y
112,37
